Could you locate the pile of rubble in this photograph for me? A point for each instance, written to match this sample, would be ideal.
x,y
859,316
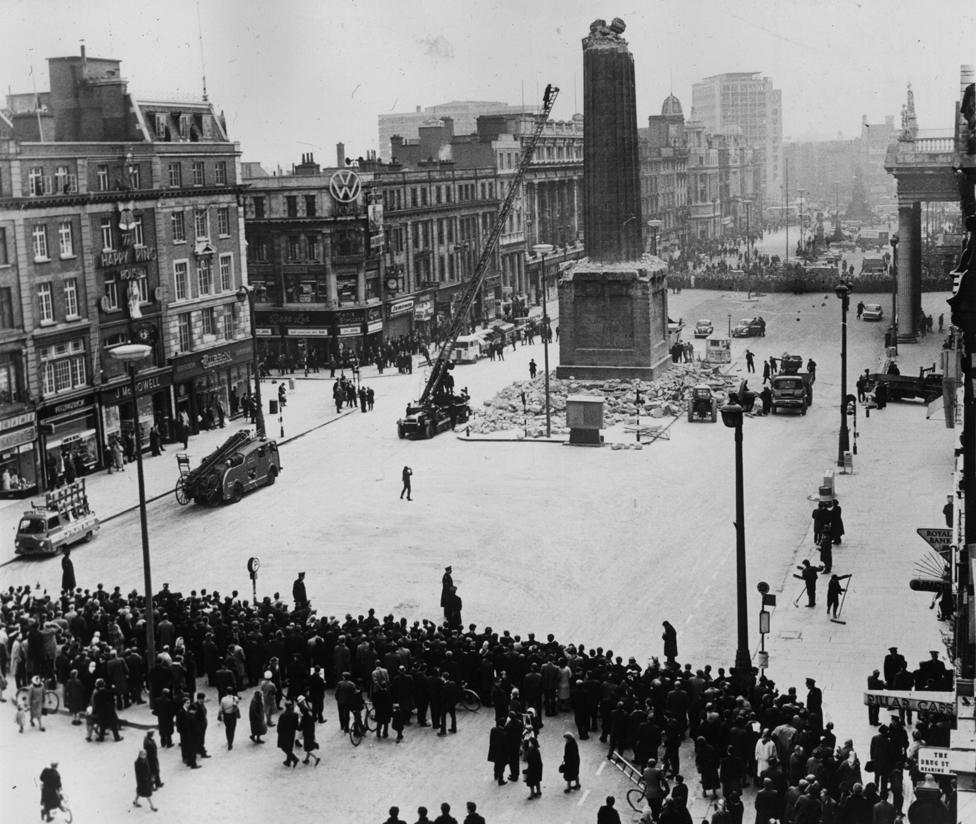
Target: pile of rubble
x,y
662,397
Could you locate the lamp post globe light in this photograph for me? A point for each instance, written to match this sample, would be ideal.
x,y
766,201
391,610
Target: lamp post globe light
x,y
246,293
732,415
655,227
842,290
131,354
544,249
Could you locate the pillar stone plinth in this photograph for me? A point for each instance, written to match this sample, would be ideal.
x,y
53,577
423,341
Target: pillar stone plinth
x,y
909,271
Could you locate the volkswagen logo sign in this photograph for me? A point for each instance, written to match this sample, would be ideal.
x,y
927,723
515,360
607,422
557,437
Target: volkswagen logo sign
x,y
345,186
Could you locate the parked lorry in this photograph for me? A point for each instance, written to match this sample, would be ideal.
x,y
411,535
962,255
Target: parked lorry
x,y
65,518
927,386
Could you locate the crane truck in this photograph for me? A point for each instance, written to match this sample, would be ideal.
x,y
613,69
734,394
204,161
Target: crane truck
x,y
439,407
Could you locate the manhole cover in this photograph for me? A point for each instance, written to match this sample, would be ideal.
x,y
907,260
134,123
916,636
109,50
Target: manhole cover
x,y
791,635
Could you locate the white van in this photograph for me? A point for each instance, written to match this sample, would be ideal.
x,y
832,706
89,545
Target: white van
x,y
467,349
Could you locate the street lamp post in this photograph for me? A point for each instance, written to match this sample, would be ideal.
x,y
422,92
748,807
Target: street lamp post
x,y
131,354
544,249
842,291
894,293
732,415
654,226
246,293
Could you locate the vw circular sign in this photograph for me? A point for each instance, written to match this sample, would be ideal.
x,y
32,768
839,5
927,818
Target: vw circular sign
x,y
345,186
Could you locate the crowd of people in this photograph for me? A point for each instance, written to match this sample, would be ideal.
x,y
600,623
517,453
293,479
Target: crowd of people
x,y
743,728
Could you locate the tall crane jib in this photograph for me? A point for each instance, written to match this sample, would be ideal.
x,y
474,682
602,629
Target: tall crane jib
x,y
436,384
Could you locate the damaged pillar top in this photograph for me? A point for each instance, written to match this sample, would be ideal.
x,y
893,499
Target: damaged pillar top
x,y
611,178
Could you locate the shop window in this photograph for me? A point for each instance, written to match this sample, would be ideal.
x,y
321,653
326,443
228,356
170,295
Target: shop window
x,y
205,276
65,239
39,240
197,169
223,221
226,273
71,298
181,279
184,332
178,226
220,173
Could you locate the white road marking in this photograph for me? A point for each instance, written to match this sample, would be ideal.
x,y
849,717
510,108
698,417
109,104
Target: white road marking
x,y
688,619
698,602
600,768
582,798
705,590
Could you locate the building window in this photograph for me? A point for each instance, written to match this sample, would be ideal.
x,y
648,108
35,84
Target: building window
x,y
204,276
6,308
134,179
223,221
112,291
293,248
197,172
226,273
62,180
175,175
178,226
138,237
313,247
45,303
39,237
181,279
160,125
310,205
36,178
102,177
291,205
259,207
4,260
201,224
184,126
108,236
208,322
184,330
227,321
220,173
65,239
71,298
63,367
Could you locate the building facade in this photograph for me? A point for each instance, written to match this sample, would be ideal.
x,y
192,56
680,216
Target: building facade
x,y
119,222
664,174
746,100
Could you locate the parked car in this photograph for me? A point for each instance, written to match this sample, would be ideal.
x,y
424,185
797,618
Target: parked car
x,y
872,311
749,328
703,328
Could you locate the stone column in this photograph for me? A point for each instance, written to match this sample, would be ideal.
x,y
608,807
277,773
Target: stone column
x,y
331,285
909,257
611,200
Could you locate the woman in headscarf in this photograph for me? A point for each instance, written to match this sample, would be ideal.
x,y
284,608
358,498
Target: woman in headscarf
x,y
570,768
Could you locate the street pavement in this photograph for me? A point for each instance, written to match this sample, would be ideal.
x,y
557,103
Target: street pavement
x,y
594,545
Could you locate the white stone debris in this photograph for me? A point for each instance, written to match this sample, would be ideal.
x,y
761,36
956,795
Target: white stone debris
x,y
660,398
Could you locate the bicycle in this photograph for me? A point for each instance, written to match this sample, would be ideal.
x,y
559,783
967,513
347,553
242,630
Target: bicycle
x,y
470,700
52,701
636,799
359,727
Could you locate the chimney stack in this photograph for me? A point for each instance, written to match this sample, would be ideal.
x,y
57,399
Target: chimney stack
x,y
340,155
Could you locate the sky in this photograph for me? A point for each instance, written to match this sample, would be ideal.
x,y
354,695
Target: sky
x,y
297,76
